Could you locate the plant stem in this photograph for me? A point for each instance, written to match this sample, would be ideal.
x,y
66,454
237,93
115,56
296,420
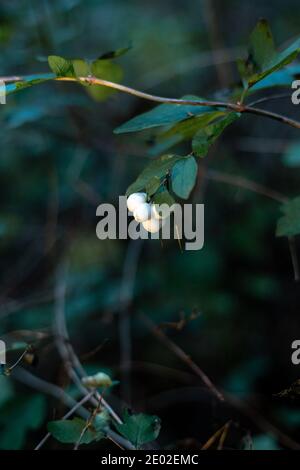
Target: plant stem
x,y
237,107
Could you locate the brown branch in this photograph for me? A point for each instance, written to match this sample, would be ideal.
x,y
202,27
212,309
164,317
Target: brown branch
x,y
71,361
237,107
183,356
66,416
22,375
215,436
266,99
253,414
245,183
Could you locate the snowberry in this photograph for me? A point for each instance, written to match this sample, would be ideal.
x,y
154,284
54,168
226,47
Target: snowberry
x,y
142,212
158,212
135,199
152,225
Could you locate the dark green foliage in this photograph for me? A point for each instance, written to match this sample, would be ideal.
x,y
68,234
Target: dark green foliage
x,y
139,428
232,306
73,430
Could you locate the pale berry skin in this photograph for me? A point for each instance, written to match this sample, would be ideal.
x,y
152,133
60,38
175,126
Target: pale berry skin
x,y
142,212
135,199
156,214
152,225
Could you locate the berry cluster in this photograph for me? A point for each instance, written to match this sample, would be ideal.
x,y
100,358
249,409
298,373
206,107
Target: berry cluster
x,y
146,213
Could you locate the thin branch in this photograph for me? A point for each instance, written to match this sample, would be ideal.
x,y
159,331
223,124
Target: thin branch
x,y
253,414
237,107
294,257
245,183
22,375
183,356
10,369
66,416
72,363
266,99
215,436
224,435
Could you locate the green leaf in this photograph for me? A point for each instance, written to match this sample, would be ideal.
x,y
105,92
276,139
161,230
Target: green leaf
x,y
27,82
60,66
158,168
262,57
289,224
153,185
183,176
164,197
139,428
99,68
81,68
204,138
70,431
163,115
183,130
261,46
280,78
106,70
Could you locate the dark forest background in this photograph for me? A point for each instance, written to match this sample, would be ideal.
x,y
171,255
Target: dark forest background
x,y
60,160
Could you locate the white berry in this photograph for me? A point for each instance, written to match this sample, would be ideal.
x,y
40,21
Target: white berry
x,y
158,213
142,212
135,199
152,225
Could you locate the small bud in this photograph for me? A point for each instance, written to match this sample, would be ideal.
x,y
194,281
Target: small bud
x,y
98,380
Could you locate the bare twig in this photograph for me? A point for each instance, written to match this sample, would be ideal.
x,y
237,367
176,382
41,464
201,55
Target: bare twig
x,y
262,422
253,414
22,375
183,356
66,416
89,422
10,369
294,257
245,183
218,434
237,107
72,363
224,435
266,99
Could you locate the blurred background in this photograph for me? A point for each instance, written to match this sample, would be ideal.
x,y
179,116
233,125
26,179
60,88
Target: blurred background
x,y
233,306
